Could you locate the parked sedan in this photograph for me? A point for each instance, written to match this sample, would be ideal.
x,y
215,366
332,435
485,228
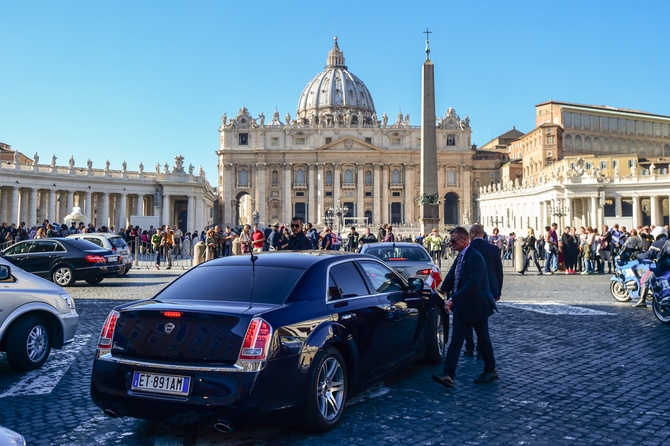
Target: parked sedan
x,y
36,316
409,259
113,242
64,260
296,332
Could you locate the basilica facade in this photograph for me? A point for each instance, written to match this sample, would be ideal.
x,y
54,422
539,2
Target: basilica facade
x,y
337,152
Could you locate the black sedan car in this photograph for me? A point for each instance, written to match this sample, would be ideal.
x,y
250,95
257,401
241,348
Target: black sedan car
x,y
64,260
239,337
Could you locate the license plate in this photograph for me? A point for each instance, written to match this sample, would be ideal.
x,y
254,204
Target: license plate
x,y
112,259
168,384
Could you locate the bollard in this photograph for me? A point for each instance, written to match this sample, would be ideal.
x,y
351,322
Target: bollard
x,y
237,247
519,255
199,253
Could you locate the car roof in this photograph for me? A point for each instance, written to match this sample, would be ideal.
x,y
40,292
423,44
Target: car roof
x,y
296,259
94,234
398,244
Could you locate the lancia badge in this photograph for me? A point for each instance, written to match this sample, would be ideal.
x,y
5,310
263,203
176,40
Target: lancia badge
x,y
169,327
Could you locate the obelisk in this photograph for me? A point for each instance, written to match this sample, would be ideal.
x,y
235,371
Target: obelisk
x,y
429,209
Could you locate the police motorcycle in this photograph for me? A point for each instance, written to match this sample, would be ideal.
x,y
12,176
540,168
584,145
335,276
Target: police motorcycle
x,y
626,283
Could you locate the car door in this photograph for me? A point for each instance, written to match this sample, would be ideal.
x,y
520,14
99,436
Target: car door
x,y
404,313
360,319
43,254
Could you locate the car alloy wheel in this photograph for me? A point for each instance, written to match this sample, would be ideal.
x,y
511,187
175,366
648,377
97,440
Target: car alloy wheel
x,y
63,276
327,391
28,344
330,389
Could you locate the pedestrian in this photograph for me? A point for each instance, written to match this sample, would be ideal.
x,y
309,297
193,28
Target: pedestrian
x,y
530,252
367,237
312,234
298,241
551,250
352,240
389,234
258,238
471,302
494,269
434,245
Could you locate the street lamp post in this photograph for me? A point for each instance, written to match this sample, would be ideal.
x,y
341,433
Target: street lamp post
x,y
497,221
337,210
560,212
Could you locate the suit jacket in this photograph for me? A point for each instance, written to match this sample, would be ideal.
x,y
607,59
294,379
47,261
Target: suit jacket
x,y
491,254
473,300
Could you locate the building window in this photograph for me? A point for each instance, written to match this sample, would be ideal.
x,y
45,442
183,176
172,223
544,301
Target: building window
x,y
348,176
550,139
395,194
300,141
274,142
329,178
368,178
603,164
368,194
329,193
368,217
329,140
631,163
299,194
451,139
368,140
395,176
300,176
395,142
274,178
244,139
451,178
244,178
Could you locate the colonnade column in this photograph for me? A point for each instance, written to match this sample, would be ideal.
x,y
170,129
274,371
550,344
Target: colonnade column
x,y
336,183
617,206
636,212
467,191
594,212
287,207
656,219
311,193
228,178
14,210
121,211
103,214
376,194
190,221
24,195
165,211
88,209
360,195
32,215
51,214
385,194
70,203
320,211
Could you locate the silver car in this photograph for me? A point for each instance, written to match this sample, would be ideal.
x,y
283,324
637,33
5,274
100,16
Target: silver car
x,y
409,259
35,316
113,242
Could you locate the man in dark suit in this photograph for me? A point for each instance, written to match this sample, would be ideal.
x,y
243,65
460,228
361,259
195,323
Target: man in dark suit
x,y
491,254
470,299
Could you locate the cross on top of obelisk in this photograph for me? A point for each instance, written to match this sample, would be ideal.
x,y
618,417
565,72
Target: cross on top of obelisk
x,y
426,32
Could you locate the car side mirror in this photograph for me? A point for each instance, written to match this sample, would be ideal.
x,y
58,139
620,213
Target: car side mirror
x,y
5,272
416,284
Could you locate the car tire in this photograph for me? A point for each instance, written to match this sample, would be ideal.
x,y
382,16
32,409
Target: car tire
x,y
125,271
28,344
438,335
95,281
327,391
63,275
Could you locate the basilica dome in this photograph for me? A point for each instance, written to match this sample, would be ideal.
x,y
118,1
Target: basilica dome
x,y
335,96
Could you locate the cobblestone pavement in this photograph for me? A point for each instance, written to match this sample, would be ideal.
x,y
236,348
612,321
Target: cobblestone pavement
x,y
575,367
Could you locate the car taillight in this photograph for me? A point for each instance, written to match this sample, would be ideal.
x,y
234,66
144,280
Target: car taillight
x,y
424,272
173,314
256,340
107,333
94,259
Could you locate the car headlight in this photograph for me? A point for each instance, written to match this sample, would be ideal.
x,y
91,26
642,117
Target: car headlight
x,y
68,299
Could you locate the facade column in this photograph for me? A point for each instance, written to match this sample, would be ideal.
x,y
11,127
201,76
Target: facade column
x,y
24,206
311,193
336,183
261,194
287,206
594,212
121,206
165,211
408,189
228,182
385,217
376,195
637,220
103,214
360,195
32,215
321,206
467,192
617,206
190,212
70,203
51,214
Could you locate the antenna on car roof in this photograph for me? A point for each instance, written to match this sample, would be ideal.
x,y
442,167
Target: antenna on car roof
x,y
253,276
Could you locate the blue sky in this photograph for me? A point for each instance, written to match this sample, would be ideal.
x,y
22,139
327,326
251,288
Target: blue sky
x,y
146,81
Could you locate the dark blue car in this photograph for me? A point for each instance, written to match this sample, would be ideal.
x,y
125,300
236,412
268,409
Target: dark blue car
x,y
296,332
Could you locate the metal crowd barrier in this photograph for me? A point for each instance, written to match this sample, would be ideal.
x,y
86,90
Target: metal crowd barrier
x,y
180,256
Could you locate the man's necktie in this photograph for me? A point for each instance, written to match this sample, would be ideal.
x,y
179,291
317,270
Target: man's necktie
x,y
457,272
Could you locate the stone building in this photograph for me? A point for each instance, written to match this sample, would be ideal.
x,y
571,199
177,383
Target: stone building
x,y
31,192
336,152
583,165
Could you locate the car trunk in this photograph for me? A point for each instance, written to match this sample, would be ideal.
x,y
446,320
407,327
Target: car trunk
x,y
162,333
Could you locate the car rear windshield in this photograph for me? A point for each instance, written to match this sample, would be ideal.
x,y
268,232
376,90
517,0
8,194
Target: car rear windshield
x,y
398,253
118,242
261,284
